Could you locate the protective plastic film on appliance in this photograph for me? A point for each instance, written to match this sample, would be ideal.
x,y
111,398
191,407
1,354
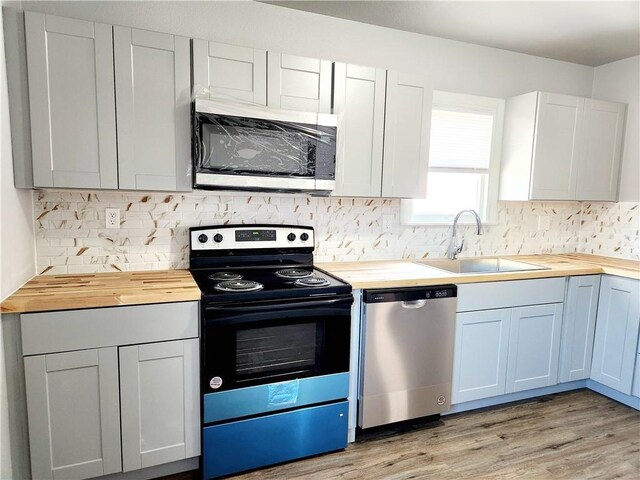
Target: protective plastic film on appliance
x,y
236,137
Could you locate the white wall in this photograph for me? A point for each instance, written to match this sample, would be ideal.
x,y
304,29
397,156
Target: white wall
x,y
620,82
454,66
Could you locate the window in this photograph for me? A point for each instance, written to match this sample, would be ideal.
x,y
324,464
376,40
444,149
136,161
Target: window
x,y
464,160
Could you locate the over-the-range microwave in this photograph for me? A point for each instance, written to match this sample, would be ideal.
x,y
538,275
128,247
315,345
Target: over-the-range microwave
x,y
248,147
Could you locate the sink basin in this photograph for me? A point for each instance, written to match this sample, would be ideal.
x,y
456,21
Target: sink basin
x,y
480,265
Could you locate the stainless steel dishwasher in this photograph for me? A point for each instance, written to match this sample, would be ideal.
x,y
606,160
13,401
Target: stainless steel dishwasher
x,y
407,354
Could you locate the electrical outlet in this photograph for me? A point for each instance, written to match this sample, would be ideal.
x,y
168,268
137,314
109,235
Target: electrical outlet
x,y
387,223
112,216
544,222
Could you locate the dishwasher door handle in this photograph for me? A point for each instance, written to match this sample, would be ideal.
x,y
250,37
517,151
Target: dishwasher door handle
x,y
413,304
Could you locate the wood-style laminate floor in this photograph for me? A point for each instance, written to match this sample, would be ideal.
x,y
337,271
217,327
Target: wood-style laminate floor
x,y
575,435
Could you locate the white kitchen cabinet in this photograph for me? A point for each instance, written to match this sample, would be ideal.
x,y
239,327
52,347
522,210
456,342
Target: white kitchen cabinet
x,y
109,106
578,327
534,347
359,100
159,402
507,337
406,135
635,390
153,95
561,147
230,71
298,83
72,102
480,354
74,415
598,175
98,409
616,338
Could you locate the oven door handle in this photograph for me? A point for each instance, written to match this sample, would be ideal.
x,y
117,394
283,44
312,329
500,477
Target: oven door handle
x,y
246,313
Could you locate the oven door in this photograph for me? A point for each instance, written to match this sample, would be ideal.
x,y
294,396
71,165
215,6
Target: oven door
x,y
263,343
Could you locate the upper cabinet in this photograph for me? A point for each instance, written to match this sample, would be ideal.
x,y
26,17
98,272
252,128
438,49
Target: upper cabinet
x,y
79,72
153,99
298,83
383,139
72,102
560,147
237,73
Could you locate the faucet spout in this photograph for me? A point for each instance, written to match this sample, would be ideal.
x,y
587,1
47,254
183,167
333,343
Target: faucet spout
x,y
454,249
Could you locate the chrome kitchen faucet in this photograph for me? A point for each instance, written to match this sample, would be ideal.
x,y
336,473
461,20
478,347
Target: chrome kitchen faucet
x,y
453,249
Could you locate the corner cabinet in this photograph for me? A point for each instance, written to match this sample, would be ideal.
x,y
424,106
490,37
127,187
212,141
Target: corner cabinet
x,y
385,121
616,339
80,74
578,327
120,404
561,147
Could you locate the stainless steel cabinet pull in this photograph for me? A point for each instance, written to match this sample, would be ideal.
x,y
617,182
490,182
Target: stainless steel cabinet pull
x,y
413,304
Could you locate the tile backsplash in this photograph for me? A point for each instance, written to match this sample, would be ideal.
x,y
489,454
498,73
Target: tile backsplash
x,y
71,236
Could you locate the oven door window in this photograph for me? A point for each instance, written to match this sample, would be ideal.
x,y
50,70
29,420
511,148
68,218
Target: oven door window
x,y
245,146
248,349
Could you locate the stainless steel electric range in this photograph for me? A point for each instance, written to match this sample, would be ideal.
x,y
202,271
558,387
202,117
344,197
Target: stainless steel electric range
x,y
275,335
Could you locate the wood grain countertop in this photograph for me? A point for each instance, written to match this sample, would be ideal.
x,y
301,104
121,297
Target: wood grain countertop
x,y
407,273
68,292
71,291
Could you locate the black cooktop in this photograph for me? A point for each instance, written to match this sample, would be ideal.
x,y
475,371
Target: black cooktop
x,y
254,284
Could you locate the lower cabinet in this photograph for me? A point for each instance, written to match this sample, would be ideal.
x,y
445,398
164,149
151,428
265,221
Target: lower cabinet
x,y
480,358
73,408
111,389
80,404
616,338
159,403
505,350
578,327
534,347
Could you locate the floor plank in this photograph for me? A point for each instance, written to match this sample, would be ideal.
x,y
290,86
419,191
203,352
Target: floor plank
x,y
576,435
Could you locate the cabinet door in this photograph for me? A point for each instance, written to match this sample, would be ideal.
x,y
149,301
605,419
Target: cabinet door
x,y
635,391
406,136
359,101
159,387
299,83
480,354
153,104
602,141
556,147
74,414
534,347
618,320
239,73
578,327
72,103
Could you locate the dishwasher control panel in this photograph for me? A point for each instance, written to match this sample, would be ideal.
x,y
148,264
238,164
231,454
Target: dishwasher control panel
x,y
409,294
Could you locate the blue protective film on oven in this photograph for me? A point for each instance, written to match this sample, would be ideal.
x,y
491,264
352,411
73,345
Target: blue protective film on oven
x,y
283,393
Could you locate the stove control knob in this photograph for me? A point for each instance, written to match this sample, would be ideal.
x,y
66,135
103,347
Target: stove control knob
x,y
304,237
291,237
203,238
217,238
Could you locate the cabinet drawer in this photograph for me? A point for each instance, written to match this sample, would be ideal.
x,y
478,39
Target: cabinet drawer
x,y
102,327
514,293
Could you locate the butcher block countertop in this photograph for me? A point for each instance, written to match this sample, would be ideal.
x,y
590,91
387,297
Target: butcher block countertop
x,y
68,292
71,291
407,273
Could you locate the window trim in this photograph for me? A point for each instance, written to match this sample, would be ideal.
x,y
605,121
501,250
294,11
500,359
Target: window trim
x,y
469,104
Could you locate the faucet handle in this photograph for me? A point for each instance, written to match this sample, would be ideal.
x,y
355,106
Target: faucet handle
x,y
459,249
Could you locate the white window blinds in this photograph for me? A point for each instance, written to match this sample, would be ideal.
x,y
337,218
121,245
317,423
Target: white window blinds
x,y
460,139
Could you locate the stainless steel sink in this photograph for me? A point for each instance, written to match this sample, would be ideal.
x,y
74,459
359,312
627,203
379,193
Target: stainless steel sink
x,y
480,265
